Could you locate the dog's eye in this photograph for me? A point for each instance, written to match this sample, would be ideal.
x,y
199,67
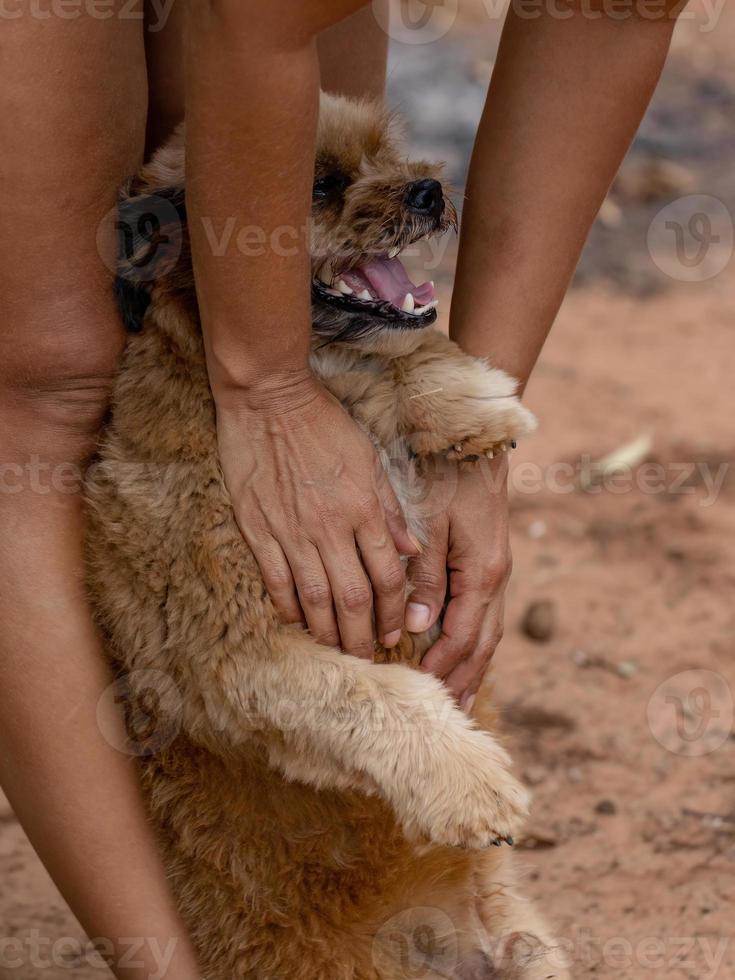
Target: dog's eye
x,y
329,185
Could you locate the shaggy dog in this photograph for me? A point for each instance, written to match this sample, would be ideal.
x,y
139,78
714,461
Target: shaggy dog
x,y
322,817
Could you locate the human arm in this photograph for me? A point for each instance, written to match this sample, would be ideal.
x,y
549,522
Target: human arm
x,y
566,98
306,485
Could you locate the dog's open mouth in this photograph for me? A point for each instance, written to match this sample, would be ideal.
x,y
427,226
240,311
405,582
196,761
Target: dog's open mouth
x,y
381,287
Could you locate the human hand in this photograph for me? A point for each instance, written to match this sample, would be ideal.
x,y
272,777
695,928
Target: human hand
x,y
468,548
317,510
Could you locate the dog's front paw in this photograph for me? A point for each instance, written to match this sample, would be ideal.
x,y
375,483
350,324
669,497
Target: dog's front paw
x,y
489,810
487,428
469,800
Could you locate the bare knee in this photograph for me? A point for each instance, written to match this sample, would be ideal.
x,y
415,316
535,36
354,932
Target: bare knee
x,y
65,148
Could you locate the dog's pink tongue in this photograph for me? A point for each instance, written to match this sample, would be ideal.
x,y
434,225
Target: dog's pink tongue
x,y
389,280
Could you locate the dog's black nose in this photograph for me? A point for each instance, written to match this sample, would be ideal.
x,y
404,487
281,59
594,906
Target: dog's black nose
x,y
425,197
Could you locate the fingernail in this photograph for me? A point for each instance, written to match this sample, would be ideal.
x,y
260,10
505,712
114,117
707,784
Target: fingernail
x,y
467,703
391,639
418,617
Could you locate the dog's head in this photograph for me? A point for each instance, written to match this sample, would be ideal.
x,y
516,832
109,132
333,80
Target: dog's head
x,y
369,204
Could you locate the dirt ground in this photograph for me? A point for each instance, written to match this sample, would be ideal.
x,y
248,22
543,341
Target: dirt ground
x,y
620,712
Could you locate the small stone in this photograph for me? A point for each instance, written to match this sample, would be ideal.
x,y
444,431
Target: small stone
x,y
540,620
628,668
606,807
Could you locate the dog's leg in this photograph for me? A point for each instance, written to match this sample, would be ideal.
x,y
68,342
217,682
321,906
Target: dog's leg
x,y
521,944
456,404
329,719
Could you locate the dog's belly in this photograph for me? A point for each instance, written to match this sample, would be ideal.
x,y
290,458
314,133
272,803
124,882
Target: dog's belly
x,y
278,881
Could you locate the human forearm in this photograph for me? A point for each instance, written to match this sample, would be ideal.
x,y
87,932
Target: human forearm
x,y
305,482
252,104
353,55
566,98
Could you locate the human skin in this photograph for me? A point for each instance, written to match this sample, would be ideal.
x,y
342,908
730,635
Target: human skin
x,y
520,244
77,797
532,194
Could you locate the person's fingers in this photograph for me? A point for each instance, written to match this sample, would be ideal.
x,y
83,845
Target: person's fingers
x,y
278,578
404,541
461,626
352,594
465,680
428,577
315,593
388,580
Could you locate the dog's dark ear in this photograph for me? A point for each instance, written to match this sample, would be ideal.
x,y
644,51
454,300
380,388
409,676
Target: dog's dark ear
x,y
132,301
150,230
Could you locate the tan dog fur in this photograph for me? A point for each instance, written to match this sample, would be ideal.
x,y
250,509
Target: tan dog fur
x,y
317,812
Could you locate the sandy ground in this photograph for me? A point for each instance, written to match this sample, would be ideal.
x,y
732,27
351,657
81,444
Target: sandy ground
x,y
621,718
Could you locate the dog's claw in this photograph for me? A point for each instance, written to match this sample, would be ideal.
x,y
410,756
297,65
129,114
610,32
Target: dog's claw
x,y
499,841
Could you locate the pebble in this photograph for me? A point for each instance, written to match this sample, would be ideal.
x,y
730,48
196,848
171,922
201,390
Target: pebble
x,y
606,807
540,620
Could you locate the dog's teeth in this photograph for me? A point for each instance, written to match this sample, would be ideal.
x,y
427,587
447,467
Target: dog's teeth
x,y
429,306
365,294
394,252
409,304
344,288
490,454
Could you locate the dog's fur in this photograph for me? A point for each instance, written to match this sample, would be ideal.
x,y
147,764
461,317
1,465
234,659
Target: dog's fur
x,y
322,817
